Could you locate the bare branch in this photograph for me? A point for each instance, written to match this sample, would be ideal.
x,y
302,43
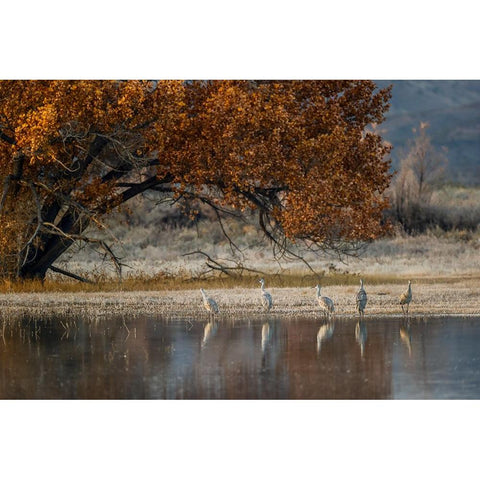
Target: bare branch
x,y
77,237
139,188
69,274
217,266
27,246
232,244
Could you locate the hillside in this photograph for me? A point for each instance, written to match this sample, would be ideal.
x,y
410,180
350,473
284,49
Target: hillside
x,y
452,109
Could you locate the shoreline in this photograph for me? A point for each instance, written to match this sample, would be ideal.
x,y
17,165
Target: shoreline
x,y
455,298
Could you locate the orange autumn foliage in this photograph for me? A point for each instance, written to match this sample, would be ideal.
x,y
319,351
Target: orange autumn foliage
x,y
298,152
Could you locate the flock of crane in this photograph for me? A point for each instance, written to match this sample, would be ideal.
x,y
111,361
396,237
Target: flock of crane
x,y
326,304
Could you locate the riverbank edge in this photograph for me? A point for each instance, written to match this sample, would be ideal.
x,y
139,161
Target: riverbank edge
x,y
460,297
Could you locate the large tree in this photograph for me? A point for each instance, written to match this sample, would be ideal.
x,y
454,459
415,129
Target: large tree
x,y
296,152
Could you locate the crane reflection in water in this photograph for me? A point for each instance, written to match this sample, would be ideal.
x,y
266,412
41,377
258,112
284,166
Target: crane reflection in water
x,y
324,333
74,356
405,335
266,335
209,331
361,336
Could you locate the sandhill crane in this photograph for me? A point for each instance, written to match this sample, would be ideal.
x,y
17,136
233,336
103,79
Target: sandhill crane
x,y
209,303
325,303
361,336
267,301
361,300
406,297
324,333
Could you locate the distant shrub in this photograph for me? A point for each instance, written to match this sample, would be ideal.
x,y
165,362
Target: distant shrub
x,y
419,202
418,218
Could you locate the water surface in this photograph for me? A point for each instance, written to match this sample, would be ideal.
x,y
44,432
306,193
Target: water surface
x,y
263,358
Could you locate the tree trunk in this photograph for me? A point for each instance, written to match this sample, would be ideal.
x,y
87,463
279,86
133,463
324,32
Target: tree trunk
x,y
54,246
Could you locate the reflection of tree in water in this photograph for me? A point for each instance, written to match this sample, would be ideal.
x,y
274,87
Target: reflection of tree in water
x,y
68,357
239,361
339,372
149,357
118,357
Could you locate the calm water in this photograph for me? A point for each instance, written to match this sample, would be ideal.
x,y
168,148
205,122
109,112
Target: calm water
x,y
265,358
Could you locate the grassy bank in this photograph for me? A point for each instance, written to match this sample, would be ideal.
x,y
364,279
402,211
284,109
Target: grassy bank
x,y
165,283
451,296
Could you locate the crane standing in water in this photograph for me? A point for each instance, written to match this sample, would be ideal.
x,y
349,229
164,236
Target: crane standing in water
x,y
267,301
326,304
209,303
406,297
361,300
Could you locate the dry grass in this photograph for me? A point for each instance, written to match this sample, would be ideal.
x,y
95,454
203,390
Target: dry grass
x,y
161,283
165,283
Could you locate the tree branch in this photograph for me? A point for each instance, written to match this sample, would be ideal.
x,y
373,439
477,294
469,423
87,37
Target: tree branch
x,y
215,265
16,176
27,246
69,274
138,188
74,237
6,138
